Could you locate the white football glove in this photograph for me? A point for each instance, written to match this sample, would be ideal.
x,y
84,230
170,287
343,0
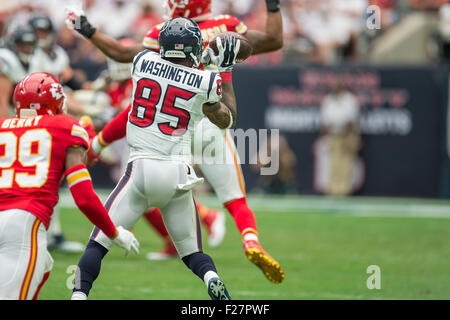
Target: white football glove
x,y
226,59
76,20
126,240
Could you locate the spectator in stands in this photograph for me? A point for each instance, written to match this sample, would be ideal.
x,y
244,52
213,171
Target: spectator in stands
x,y
283,182
326,30
339,117
149,16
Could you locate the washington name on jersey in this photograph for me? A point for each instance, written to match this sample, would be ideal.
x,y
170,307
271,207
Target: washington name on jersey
x,y
171,72
167,104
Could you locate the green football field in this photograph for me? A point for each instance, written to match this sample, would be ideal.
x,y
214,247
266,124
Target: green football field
x,y
325,246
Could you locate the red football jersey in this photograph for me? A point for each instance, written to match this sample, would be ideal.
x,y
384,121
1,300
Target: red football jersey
x,y
32,161
209,28
120,94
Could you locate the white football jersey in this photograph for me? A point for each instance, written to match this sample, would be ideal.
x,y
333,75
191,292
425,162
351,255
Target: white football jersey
x,y
11,67
54,63
167,104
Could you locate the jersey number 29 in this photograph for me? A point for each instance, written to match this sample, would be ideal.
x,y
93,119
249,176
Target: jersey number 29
x,y
146,98
32,149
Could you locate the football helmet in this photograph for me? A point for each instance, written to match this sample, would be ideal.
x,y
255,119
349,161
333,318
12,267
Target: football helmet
x,y
181,38
39,94
21,40
44,30
197,10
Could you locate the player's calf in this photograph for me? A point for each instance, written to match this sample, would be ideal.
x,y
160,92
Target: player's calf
x,y
88,269
203,266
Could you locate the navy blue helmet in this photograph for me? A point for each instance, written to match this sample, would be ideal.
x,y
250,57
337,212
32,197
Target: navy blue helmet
x,y
181,38
21,34
41,21
18,33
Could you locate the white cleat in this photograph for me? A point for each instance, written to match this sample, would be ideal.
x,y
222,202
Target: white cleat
x,y
67,247
169,252
158,256
78,295
217,234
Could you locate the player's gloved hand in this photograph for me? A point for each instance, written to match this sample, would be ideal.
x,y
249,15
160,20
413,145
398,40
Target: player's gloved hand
x,y
226,58
273,5
76,20
92,157
126,240
88,125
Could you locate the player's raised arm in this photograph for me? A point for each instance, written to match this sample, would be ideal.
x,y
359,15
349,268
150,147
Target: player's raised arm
x,y
271,38
110,47
223,112
87,201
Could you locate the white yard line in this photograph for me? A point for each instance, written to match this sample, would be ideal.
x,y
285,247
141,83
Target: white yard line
x,y
354,206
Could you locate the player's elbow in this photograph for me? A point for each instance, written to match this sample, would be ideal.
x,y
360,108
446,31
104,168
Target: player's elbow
x,y
277,43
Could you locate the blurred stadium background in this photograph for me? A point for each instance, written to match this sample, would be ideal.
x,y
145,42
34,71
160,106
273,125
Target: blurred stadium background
x,y
394,212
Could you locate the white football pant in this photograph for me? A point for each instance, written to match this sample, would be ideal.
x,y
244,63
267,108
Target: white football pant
x,y
215,153
24,258
162,184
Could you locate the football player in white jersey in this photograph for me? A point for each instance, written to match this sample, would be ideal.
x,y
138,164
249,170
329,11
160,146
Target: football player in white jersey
x,y
170,96
51,57
15,63
225,177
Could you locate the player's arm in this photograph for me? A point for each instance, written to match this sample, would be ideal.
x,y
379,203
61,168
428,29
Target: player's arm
x,y
110,47
6,88
271,38
223,112
114,130
87,201
114,49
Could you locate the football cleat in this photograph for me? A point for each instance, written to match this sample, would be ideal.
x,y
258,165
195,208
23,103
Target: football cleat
x,y
269,266
66,247
216,231
169,252
217,290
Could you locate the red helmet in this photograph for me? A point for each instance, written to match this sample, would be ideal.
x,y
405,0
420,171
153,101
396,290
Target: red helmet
x,y
39,94
197,10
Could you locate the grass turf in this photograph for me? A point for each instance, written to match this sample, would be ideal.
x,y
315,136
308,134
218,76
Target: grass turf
x,y
325,256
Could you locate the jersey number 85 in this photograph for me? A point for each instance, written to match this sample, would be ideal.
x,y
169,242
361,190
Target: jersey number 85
x,y
147,96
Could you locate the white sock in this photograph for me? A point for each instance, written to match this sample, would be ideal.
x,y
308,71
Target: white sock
x,y
78,295
250,236
209,275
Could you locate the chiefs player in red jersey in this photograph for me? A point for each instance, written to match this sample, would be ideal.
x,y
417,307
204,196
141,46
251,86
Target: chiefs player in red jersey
x,y
226,180
37,149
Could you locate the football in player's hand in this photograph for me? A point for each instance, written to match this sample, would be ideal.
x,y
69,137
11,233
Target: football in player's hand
x,y
244,51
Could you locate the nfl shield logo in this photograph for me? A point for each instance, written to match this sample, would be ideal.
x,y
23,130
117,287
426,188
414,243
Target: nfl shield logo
x,y
179,46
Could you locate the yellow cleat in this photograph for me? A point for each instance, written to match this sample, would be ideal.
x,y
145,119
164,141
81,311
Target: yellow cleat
x,y
269,266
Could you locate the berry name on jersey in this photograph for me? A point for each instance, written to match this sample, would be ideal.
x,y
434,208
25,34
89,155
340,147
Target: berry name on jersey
x,y
20,123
